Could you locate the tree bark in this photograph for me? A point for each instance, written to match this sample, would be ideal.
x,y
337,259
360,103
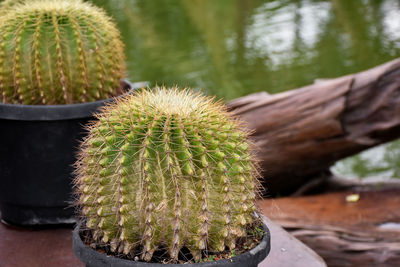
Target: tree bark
x,y
300,133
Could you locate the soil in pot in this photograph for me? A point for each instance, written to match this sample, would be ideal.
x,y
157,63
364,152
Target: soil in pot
x,y
249,252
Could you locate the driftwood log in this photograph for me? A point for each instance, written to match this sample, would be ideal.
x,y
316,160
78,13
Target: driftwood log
x,y
358,232
300,133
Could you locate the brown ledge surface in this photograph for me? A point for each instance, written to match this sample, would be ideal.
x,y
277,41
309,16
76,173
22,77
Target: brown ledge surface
x,y
22,247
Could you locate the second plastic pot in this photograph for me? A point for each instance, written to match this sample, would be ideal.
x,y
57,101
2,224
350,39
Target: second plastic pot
x,y
38,147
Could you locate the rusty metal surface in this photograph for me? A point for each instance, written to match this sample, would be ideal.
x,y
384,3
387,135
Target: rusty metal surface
x,y
20,247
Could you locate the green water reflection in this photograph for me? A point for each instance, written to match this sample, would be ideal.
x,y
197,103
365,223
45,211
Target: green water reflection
x,y
231,48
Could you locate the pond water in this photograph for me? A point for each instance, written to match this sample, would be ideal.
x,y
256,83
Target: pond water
x,y
230,48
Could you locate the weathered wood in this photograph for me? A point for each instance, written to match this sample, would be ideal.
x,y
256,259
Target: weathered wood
x,y
334,184
300,133
363,232
341,247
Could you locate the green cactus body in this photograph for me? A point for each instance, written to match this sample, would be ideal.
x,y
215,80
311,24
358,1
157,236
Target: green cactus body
x,y
58,52
166,167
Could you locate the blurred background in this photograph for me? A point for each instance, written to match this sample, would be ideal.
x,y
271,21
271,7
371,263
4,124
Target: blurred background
x,y
231,48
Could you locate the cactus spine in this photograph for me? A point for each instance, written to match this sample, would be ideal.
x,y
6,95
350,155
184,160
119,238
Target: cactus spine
x,y
166,167
58,52
7,4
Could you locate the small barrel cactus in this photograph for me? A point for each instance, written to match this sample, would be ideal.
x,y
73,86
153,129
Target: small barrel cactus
x,y
58,52
6,5
166,167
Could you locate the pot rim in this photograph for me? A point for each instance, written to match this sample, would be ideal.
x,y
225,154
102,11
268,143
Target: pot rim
x,y
82,251
22,112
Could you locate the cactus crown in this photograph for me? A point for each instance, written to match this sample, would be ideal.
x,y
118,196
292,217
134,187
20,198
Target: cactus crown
x,y
58,52
166,168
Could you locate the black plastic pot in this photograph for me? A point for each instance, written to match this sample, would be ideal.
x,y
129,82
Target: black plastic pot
x,y
37,150
93,258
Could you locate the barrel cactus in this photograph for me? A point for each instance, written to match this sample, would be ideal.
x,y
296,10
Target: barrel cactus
x,y
58,52
166,167
6,5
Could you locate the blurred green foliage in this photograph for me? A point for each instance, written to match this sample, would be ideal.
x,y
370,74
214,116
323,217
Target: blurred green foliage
x,y
231,48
